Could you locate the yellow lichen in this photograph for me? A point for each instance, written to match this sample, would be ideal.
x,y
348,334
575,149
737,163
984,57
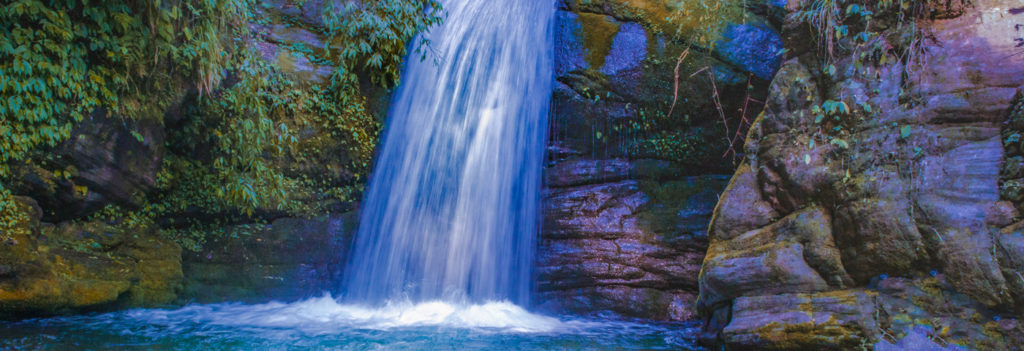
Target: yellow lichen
x,y
810,335
598,33
696,21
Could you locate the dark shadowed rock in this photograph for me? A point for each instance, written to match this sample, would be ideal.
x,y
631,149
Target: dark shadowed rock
x,y
290,259
628,49
754,47
105,161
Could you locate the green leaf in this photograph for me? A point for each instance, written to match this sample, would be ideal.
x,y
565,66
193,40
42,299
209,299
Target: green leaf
x,y
138,136
904,132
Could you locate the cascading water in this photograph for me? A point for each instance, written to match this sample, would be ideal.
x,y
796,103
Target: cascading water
x,y
451,211
448,226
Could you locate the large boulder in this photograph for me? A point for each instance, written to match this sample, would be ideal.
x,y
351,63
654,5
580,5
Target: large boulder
x,y
891,224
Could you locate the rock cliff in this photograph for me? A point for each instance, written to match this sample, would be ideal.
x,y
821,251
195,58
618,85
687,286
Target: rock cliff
x,y
630,186
905,222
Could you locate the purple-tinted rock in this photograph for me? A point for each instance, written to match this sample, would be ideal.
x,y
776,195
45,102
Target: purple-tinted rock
x,y
583,171
756,48
630,247
907,190
569,52
624,231
629,49
836,320
916,340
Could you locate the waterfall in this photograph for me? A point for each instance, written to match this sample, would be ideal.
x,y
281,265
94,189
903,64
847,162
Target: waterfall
x,y
452,205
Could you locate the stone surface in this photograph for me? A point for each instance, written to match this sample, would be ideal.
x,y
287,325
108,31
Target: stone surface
x,y
916,340
628,50
903,221
754,47
84,266
625,227
632,246
105,161
616,76
287,260
74,267
830,320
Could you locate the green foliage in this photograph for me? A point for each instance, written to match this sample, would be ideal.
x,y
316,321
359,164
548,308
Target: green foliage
x,y
675,138
248,137
702,22
233,154
12,218
857,25
60,60
253,133
373,34
1012,130
266,113
189,233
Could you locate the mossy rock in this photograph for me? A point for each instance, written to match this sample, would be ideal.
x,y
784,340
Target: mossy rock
x,y
87,266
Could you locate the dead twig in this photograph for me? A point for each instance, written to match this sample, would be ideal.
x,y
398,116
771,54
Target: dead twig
x,y
675,90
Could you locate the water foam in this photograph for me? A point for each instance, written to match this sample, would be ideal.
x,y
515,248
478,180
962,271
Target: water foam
x,y
326,315
326,324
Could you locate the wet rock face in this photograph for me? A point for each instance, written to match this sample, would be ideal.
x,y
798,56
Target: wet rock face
x,y
290,259
627,245
624,229
615,93
73,267
910,222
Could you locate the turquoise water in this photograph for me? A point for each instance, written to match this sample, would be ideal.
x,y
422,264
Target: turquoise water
x,y
324,324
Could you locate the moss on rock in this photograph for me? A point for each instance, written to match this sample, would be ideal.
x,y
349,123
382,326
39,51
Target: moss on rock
x,y
85,266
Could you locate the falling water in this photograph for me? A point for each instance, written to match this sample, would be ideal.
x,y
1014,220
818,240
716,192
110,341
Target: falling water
x,y
448,227
451,210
